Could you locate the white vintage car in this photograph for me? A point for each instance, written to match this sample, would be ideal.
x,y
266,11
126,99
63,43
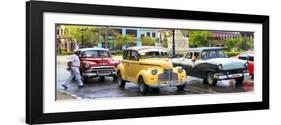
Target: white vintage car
x,y
212,64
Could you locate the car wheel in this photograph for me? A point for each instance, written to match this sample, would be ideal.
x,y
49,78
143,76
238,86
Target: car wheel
x,y
84,79
155,89
143,88
239,81
120,81
181,87
210,79
115,78
102,78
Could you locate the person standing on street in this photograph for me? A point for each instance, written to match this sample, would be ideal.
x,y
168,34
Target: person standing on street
x,y
73,66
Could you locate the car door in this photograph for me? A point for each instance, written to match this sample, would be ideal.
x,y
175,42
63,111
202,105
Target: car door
x,y
201,65
198,67
125,63
134,66
187,63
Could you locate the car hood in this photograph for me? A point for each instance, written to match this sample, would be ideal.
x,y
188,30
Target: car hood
x,y
163,62
100,61
228,63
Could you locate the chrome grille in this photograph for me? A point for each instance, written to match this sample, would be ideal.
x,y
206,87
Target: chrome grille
x,y
168,75
103,69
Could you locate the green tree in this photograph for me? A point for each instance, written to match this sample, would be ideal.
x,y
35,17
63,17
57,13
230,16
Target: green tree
x,y
105,32
120,40
233,44
148,41
199,38
165,39
75,32
250,43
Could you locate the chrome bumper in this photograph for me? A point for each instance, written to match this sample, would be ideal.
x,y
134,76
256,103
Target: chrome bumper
x,y
220,76
93,74
166,84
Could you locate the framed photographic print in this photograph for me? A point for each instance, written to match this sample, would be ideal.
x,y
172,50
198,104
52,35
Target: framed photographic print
x,y
95,62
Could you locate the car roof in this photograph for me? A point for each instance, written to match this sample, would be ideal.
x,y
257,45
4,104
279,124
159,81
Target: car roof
x,y
94,48
143,48
204,48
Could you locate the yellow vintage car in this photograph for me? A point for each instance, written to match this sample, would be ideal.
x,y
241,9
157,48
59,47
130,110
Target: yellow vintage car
x,y
149,67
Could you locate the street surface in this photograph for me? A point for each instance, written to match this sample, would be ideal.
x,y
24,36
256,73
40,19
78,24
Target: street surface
x,y
95,88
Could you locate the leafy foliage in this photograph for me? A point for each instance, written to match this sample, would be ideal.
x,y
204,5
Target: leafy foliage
x,y
148,41
199,38
89,38
104,32
238,44
120,40
165,39
231,54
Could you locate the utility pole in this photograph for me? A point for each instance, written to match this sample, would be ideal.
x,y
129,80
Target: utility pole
x,y
173,47
82,30
82,38
106,38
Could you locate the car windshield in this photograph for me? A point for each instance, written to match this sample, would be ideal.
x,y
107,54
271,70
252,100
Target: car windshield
x,y
155,54
210,54
96,54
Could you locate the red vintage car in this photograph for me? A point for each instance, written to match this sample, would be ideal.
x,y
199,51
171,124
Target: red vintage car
x,y
248,56
97,62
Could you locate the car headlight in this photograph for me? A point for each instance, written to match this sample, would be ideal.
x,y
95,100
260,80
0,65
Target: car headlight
x,y
220,67
87,65
154,71
180,69
246,64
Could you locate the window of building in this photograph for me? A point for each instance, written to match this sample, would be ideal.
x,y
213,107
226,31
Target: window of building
x,y
131,32
153,34
142,35
148,34
119,31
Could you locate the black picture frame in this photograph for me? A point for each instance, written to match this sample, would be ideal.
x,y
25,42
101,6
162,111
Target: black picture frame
x,y
34,61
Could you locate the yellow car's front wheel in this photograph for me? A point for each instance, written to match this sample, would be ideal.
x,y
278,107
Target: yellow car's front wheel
x,y
120,81
143,88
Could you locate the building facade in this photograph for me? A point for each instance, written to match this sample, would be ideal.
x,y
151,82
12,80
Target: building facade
x,y
63,43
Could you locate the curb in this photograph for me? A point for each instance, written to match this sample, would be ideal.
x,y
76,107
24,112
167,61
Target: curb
x,y
70,94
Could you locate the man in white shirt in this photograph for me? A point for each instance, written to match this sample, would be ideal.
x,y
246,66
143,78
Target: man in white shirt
x,y
73,66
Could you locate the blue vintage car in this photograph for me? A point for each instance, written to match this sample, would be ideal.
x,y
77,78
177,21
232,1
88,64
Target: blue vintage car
x,y
212,64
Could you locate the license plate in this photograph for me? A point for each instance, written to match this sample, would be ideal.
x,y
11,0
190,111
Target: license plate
x,y
104,73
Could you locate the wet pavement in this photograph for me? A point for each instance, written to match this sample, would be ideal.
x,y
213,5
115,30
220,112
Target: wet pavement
x,y
95,88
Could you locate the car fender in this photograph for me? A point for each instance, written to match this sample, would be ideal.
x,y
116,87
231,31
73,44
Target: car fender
x,y
82,65
120,68
146,75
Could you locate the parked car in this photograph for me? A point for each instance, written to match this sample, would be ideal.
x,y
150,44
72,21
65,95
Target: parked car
x,y
97,62
149,67
212,64
249,57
